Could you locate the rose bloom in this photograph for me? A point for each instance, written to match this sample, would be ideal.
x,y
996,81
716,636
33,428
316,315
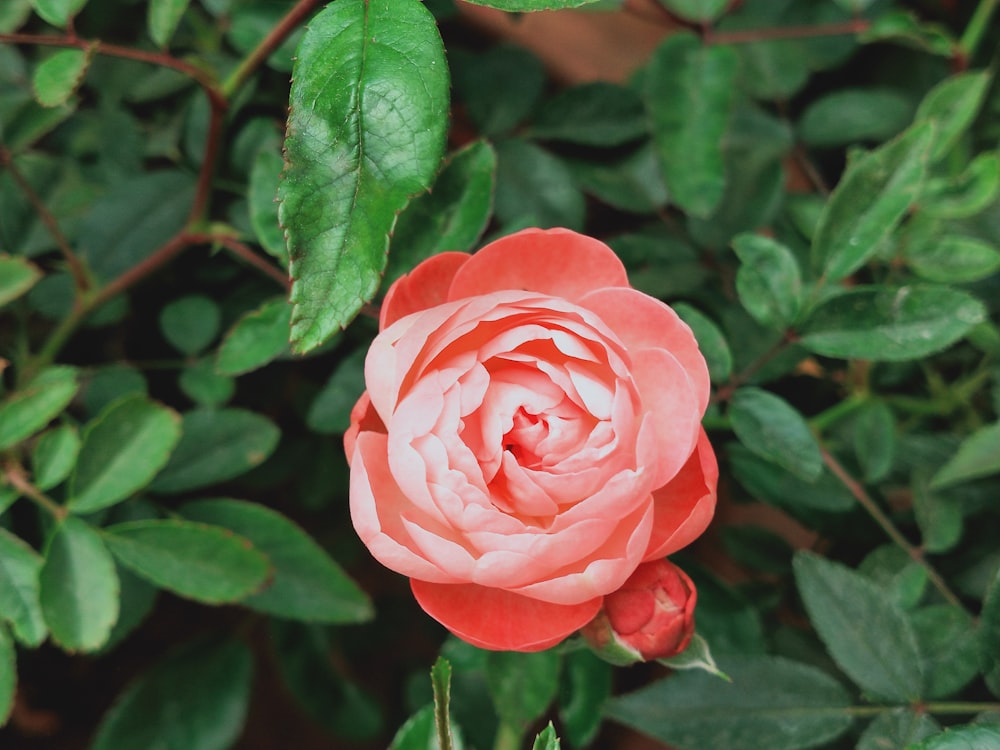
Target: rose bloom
x,y
530,434
650,617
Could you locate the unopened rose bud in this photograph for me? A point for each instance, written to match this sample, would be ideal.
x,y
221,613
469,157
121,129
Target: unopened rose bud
x,y
650,617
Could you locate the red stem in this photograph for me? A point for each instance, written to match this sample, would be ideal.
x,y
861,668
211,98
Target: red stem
x,y
244,253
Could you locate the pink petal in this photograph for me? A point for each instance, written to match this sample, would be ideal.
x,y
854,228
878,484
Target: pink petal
x,y
643,322
684,507
378,508
500,620
363,419
558,262
424,287
667,394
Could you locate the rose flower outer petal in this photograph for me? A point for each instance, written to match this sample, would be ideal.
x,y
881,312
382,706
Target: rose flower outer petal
x,y
683,508
500,620
424,287
556,262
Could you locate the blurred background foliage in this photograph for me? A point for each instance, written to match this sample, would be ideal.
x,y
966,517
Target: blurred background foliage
x,y
813,184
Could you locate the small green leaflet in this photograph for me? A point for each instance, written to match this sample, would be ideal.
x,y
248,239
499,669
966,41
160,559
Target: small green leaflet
x,y
58,12
977,456
28,410
8,674
163,17
57,77
773,429
19,603
17,276
366,131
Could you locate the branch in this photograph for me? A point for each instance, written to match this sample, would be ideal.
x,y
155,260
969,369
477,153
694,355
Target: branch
x,y
80,280
776,33
886,524
15,476
246,254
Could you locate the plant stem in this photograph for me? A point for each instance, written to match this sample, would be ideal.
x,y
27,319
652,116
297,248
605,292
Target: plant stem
x,y
976,28
76,270
15,476
267,45
726,391
203,78
855,26
508,737
246,254
886,524
826,419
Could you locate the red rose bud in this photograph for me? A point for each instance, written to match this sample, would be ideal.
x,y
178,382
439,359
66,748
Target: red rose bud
x,y
650,617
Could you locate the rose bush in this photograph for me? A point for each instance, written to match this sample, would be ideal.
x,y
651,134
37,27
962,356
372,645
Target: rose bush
x,y
650,617
531,433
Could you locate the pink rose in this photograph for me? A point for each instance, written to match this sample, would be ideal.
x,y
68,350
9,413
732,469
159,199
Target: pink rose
x,y
650,617
531,433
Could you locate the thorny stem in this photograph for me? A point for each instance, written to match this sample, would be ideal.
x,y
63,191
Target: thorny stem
x,y
15,476
886,524
80,280
267,45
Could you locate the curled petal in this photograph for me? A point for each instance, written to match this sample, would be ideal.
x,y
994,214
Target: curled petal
x,y
501,620
424,287
643,322
557,262
683,508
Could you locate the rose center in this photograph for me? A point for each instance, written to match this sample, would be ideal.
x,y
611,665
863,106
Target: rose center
x,y
524,436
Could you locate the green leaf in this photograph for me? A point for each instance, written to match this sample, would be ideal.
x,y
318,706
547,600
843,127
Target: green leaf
x,y
58,12
203,385
162,19
546,739
357,151
123,449
8,674
901,577
773,429
196,698
257,338
897,729
452,216
689,137
952,106
946,636
78,587
17,276
535,188
771,703
522,685
133,219
976,457
137,599
195,560
19,602
726,619
951,258
847,116
58,76
190,323
587,685
967,194
989,636
868,203
216,445
55,456
306,584
591,114
768,481
891,325
250,21
768,280
904,28
29,409
303,657
262,202
982,737
698,11
499,87
874,438
521,6
13,15
939,518
711,341
866,634
111,383
419,733
631,183
757,548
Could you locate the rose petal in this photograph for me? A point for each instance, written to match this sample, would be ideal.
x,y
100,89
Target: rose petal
x,y
558,262
684,507
424,287
643,322
379,523
667,394
364,418
500,620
